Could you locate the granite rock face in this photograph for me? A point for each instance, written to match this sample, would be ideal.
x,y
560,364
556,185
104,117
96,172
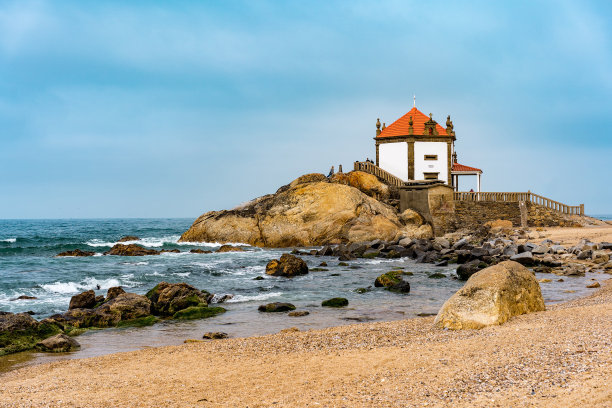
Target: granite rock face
x,y
492,296
307,213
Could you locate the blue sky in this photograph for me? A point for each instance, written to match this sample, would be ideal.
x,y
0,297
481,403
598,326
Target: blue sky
x,y
171,109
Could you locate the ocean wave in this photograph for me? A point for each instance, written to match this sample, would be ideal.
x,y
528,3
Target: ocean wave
x,y
86,284
11,240
158,242
182,274
263,296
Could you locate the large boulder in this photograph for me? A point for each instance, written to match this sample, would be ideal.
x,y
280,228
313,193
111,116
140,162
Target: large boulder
x,y
60,343
130,250
85,300
288,265
122,308
307,214
169,298
393,281
492,296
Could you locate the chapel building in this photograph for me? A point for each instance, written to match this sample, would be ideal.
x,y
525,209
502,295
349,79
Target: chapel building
x,y
415,147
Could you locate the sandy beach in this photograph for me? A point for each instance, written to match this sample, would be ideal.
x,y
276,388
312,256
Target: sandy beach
x,y
557,358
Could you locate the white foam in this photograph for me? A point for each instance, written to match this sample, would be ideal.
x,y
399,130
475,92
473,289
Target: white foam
x,y
61,287
86,284
263,296
159,242
183,274
9,240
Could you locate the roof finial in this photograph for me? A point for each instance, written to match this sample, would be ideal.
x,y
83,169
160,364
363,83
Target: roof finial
x,y
414,100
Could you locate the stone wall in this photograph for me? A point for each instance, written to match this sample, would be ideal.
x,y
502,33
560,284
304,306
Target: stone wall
x,y
540,216
472,214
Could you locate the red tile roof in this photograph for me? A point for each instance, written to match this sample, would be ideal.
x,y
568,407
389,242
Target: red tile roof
x,y
461,167
400,126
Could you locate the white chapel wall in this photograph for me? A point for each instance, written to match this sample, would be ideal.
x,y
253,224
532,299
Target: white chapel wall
x,y
393,157
430,166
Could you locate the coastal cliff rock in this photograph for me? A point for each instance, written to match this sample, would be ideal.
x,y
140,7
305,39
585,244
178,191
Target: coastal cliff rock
x,y
305,213
492,296
364,182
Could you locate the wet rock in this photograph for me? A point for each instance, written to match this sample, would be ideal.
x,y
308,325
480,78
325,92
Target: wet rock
x,y
60,343
76,252
200,251
574,270
129,238
437,276
605,245
323,264
288,266
197,312
24,297
229,248
276,307
122,308
370,253
114,292
467,269
393,281
214,335
335,302
169,298
524,258
173,251
130,250
85,300
593,285
221,298
582,255
492,296
600,257
298,313
258,278
20,331
326,251
362,290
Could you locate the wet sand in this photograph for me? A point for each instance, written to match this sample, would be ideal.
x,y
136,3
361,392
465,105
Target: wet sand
x,y
558,358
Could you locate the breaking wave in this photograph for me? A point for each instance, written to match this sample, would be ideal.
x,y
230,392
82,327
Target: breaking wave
x,y
86,284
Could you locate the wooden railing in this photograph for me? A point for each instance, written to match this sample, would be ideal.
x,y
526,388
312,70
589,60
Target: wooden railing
x,y
378,172
517,197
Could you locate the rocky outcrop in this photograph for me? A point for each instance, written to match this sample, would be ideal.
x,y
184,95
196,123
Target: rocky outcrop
x,y
76,252
288,266
304,214
276,307
85,300
122,308
492,296
229,248
335,302
130,250
60,343
169,298
114,292
364,182
20,331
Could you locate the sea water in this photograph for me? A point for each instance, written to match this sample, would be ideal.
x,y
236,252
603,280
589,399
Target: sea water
x,y
28,266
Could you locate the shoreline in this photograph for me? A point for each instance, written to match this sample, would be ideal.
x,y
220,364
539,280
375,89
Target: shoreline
x,y
562,356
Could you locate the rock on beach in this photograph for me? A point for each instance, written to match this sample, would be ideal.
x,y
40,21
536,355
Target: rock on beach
x,y
492,296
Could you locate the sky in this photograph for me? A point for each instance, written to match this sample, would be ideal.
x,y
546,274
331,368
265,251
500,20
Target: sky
x,y
172,109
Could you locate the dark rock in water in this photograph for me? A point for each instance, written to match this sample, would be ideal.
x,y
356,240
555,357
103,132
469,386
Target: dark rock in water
x,y
130,250
214,335
424,314
319,270
298,313
524,258
334,274
60,343
287,266
346,257
323,264
169,298
198,312
326,251
357,249
342,264
258,278
230,248
24,297
276,307
335,302
362,290
468,269
173,251
221,298
129,238
85,300
443,262
393,282
463,256
76,252
437,276
114,292
200,251
370,253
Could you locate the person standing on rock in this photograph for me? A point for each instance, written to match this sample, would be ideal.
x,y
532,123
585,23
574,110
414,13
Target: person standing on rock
x,y
331,172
